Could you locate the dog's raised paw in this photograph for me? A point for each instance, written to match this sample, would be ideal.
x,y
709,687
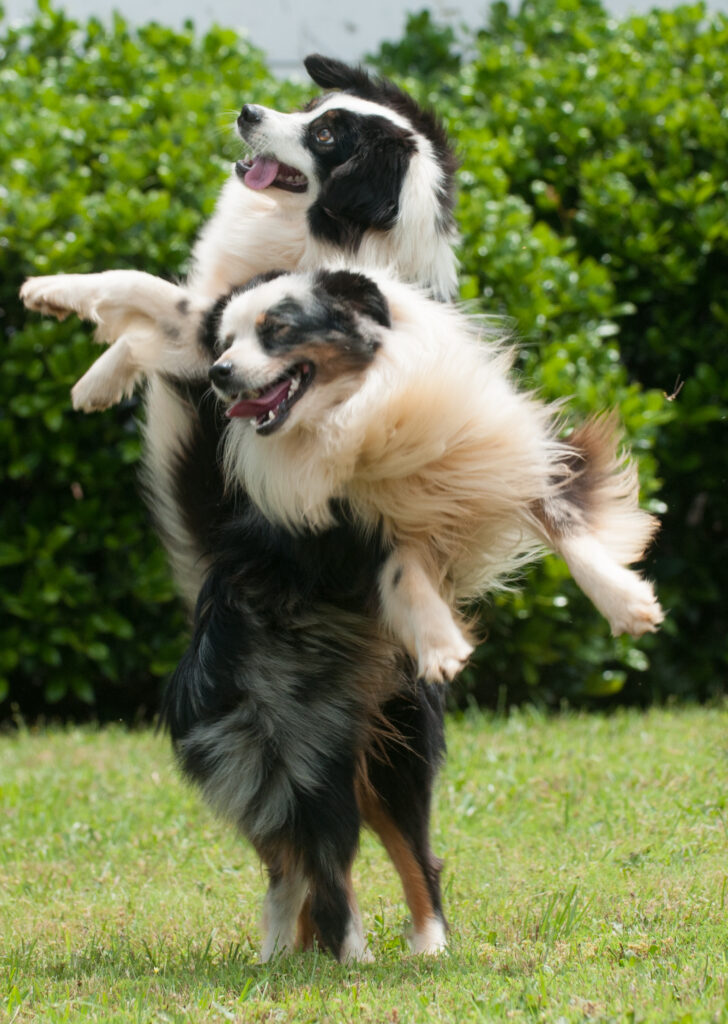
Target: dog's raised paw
x,y
45,295
108,380
90,394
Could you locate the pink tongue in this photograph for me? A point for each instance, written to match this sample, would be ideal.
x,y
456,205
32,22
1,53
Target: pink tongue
x,y
256,407
262,173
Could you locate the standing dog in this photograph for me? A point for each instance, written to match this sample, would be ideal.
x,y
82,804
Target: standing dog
x,y
362,174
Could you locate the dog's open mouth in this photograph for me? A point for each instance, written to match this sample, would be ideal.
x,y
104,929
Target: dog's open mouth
x,y
268,407
265,171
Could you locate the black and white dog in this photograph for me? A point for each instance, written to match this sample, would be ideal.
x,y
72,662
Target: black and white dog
x,y
363,175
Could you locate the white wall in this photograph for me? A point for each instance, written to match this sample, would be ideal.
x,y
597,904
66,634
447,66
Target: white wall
x,y
289,29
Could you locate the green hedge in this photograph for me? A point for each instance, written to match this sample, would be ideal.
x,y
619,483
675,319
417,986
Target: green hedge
x,y
593,210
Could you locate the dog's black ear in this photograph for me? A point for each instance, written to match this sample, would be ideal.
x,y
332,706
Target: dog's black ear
x,y
364,192
334,74
358,291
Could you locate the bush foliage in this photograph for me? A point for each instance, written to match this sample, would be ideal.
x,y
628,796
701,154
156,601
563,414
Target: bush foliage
x,y
593,213
113,150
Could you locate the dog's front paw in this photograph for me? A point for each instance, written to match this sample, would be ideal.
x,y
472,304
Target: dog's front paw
x,y
441,658
47,295
111,378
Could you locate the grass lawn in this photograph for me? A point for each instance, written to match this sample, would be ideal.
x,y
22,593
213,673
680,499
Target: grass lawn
x,y
586,879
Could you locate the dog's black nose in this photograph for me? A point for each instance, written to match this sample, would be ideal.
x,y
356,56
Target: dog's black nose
x,y
220,373
251,114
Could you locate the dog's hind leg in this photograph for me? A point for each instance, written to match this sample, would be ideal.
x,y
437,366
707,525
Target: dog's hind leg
x,y
625,599
283,904
325,833
395,798
335,915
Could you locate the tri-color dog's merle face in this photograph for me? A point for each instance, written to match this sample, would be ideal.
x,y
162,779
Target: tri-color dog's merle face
x,y
286,339
348,152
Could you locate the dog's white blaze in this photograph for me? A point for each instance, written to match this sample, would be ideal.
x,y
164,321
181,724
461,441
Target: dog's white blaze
x,y
357,105
239,316
250,362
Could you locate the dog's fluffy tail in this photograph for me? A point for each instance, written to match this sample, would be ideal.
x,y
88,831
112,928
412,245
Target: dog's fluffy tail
x,y
600,493
593,520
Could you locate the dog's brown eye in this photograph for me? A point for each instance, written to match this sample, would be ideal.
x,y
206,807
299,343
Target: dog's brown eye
x,y
325,136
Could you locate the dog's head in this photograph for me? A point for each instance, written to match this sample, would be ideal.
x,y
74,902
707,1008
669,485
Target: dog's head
x,y
293,346
350,152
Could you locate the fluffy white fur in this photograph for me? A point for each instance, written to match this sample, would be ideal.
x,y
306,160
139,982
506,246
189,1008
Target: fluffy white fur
x,y
434,444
